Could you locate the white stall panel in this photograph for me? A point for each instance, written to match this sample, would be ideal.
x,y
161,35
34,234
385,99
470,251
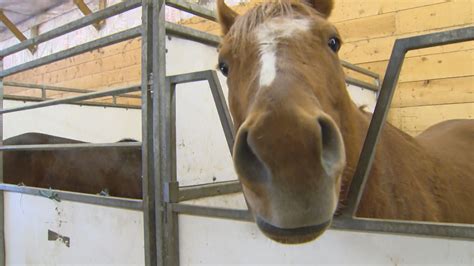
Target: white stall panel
x,y
86,234
208,241
85,123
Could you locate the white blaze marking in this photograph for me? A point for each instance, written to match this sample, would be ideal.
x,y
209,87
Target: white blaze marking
x,y
268,35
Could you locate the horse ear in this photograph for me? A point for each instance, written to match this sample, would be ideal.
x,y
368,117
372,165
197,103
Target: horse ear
x,y
322,6
225,15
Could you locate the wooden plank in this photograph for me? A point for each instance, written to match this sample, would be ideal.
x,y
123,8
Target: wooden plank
x,y
434,92
118,61
449,14
101,53
414,120
399,5
366,28
438,66
345,10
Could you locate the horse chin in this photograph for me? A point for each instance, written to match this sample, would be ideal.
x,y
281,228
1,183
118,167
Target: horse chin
x,y
292,235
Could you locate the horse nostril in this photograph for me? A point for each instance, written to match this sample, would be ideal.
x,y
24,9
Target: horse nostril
x,y
246,160
332,148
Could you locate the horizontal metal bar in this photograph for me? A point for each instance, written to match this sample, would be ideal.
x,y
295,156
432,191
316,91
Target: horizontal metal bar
x,y
57,88
85,47
71,99
437,39
193,9
362,84
114,202
192,34
95,104
190,77
76,146
360,69
208,190
72,26
456,231
453,231
232,214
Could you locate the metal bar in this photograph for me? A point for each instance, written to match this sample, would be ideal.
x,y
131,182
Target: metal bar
x,y
161,130
75,146
2,199
171,188
209,190
97,104
222,110
362,84
213,212
438,38
193,9
360,69
72,26
189,77
383,103
18,34
453,231
86,11
123,203
381,110
149,224
61,89
88,46
71,99
192,34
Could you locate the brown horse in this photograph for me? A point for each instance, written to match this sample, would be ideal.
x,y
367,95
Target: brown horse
x,y
114,170
299,135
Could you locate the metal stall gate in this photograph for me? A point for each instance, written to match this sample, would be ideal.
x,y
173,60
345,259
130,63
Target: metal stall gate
x,y
161,192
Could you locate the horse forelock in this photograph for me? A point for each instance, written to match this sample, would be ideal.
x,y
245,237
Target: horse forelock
x,y
242,31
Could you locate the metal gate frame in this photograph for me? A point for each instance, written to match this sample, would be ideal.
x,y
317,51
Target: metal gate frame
x,y
162,193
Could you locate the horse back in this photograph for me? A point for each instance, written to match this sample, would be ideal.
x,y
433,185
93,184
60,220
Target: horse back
x,y
451,140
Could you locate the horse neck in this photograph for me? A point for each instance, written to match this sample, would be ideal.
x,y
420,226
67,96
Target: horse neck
x,y
403,171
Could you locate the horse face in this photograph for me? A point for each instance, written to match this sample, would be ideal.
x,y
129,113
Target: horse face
x,y
285,86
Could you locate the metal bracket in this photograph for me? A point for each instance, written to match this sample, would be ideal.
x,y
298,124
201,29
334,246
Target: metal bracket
x,y
171,191
50,195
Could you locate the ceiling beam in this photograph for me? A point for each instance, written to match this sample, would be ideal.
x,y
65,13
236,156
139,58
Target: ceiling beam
x,y
87,11
12,27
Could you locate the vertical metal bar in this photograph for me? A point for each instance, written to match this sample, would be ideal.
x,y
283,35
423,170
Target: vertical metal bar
x,y
148,176
171,226
222,110
161,124
376,125
2,200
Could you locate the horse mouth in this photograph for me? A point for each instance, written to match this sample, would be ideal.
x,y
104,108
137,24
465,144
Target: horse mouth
x,y
298,235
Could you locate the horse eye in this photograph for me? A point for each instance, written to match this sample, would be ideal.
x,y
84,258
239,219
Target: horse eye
x,y
335,44
224,68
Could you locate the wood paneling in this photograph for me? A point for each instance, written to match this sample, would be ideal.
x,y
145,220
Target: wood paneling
x,y
435,83
415,119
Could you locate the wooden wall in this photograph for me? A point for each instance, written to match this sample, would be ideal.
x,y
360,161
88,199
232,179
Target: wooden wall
x,y
435,83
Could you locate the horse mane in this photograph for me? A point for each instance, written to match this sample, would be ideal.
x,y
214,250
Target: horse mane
x,y
241,31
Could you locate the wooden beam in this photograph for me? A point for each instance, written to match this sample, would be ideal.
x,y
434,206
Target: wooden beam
x,y
18,34
87,11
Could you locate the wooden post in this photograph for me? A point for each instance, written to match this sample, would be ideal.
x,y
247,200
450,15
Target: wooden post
x,y
87,11
18,34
